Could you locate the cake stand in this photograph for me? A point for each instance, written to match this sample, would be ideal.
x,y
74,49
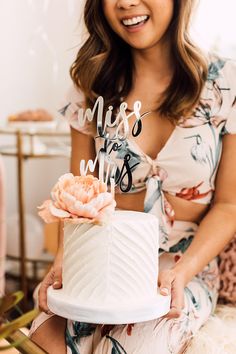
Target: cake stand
x,y
64,306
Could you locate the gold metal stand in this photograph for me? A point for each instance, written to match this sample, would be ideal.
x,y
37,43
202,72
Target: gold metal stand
x,y
27,346
21,155
21,209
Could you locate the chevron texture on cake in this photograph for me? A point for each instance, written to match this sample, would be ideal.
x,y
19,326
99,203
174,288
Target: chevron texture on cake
x,y
112,262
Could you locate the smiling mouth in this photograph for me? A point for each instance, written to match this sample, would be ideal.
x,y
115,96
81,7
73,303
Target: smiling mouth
x,y
135,21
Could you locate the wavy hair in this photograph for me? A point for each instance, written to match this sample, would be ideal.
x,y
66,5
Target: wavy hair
x,y
104,64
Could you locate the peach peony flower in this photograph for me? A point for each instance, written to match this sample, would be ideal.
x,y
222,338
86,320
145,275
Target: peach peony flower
x,y
78,199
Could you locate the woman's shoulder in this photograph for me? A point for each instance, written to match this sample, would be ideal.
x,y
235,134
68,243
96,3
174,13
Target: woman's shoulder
x,y
221,84
221,68
74,101
217,104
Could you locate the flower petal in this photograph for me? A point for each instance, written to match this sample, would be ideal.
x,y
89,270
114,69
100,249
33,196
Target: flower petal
x,y
45,212
59,213
101,201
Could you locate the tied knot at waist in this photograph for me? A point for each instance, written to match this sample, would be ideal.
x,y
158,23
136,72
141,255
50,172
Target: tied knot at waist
x,y
156,171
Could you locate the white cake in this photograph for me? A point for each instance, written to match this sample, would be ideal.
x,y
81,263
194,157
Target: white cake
x,y
110,272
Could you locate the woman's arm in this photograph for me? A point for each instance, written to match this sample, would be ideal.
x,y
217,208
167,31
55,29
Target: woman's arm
x,y
214,232
130,201
82,148
219,225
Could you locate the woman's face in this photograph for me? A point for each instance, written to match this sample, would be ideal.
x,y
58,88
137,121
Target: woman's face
x,y
140,23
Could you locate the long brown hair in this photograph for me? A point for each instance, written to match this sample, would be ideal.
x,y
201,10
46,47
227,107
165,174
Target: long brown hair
x,y
104,66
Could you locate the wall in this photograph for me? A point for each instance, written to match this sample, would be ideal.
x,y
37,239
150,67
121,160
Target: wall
x,y
214,26
39,40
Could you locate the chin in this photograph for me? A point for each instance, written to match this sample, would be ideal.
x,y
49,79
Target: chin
x,y
141,46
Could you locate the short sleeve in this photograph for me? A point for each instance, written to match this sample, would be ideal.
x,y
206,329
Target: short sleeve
x,y
230,124
74,100
230,72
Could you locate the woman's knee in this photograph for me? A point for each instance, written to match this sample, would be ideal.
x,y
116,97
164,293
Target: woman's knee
x,y
50,335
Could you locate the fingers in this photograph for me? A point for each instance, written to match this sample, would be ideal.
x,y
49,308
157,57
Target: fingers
x,y
177,301
47,281
165,282
173,313
57,281
171,284
54,278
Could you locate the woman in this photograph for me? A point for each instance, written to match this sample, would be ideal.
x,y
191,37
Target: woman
x,y
141,50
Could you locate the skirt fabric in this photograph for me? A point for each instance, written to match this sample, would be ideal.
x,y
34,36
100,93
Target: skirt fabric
x,y
159,336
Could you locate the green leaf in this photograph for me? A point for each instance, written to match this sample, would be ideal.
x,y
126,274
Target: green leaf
x,y
13,345
8,328
9,301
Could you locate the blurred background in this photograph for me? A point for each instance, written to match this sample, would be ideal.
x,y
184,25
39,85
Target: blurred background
x,y
39,40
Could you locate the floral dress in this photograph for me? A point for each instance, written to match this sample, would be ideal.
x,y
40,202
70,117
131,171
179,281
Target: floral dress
x,y
185,167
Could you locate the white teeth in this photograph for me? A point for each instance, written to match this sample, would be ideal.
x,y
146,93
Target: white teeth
x,y
134,20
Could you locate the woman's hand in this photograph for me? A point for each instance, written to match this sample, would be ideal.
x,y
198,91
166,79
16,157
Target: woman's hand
x,y
54,278
172,283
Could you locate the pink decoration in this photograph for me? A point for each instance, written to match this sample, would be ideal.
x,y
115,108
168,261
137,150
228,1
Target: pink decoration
x,y
78,199
227,266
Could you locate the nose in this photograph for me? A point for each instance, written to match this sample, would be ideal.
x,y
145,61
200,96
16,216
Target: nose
x,y
127,4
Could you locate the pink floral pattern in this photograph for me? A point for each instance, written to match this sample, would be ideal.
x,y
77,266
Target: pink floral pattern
x,y
192,193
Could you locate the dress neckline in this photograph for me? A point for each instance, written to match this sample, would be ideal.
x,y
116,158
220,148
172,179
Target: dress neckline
x,y
135,145
160,153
